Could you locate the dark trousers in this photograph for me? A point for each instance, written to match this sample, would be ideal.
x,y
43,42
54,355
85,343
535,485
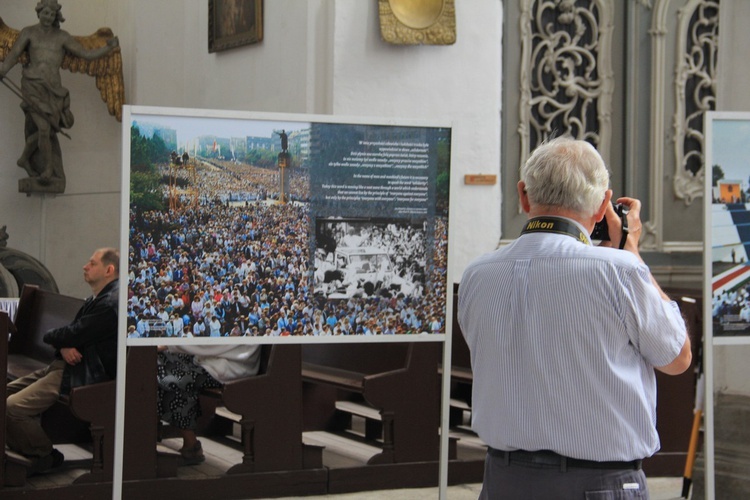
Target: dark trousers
x,y
545,476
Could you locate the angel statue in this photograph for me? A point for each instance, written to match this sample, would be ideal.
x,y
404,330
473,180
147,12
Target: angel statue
x,y
43,49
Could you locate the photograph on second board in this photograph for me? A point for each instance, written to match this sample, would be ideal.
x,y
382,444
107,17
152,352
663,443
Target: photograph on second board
x,y
730,226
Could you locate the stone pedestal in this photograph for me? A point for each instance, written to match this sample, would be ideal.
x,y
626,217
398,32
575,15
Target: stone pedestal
x,y
731,449
284,161
30,185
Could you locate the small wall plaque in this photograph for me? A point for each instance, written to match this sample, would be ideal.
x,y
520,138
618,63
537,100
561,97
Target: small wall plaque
x,y
480,179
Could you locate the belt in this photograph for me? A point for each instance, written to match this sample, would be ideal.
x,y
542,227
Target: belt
x,y
550,458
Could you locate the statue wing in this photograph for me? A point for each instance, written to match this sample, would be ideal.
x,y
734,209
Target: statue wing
x,y
106,69
8,37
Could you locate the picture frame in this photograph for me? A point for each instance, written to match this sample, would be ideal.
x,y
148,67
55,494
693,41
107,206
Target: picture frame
x,y
727,193
364,204
233,23
725,257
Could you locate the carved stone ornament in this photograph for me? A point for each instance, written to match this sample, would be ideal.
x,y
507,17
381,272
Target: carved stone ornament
x,y
567,80
18,268
42,50
695,90
418,22
694,84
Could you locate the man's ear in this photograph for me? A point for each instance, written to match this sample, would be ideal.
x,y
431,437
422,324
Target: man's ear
x,y
599,215
523,196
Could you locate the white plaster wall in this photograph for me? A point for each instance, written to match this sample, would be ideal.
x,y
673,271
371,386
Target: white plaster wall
x,y
62,230
730,369
733,42
457,84
317,56
172,66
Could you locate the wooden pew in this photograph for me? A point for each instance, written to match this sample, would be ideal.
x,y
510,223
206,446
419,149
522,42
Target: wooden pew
x,y
675,395
396,385
11,472
38,312
87,412
268,408
4,334
461,374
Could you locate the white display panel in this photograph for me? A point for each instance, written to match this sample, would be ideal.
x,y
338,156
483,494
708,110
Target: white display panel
x,y
726,253
302,215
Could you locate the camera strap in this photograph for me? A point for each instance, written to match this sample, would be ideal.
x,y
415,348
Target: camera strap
x,y
624,228
557,225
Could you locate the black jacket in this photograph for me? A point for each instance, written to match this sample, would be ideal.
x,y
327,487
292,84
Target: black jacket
x,y
94,329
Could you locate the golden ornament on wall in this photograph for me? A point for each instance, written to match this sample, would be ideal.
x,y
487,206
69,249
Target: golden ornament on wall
x,y
418,22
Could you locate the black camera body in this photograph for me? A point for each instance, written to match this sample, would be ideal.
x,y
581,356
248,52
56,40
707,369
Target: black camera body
x,y
601,231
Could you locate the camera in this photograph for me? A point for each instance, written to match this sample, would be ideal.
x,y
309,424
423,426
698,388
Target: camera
x,y
601,231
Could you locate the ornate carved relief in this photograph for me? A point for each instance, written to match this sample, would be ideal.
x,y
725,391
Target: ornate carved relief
x,y
651,238
566,74
695,91
695,69
18,268
428,22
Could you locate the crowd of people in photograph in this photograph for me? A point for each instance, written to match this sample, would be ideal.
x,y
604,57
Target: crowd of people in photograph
x,y
731,311
227,269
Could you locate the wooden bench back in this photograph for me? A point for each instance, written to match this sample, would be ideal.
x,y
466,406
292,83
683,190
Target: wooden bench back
x,y
4,331
38,312
365,358
265,358
460,356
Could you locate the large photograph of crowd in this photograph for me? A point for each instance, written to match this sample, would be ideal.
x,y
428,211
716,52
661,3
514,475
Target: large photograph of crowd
x,y
275,227
728,155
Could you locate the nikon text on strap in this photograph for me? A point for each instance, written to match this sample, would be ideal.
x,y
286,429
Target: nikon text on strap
x,y
555,225
559,225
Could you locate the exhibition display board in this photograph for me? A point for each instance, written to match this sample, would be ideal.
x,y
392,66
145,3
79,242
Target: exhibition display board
x,y
726,267
249,228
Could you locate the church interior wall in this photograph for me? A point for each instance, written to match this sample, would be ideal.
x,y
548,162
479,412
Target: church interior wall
x,y
316,56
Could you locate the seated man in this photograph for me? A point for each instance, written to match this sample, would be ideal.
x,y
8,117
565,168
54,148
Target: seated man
x,y
90,341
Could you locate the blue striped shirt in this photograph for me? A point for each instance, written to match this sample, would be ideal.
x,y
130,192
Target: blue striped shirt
x,y
563,339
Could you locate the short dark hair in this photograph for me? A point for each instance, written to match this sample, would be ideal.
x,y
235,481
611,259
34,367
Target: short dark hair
x,y
111,256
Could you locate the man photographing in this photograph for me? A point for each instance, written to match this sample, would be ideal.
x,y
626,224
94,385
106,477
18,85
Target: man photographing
x,y
564,338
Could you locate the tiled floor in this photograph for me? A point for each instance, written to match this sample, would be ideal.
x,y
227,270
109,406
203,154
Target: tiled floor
x,y
219,457
659,489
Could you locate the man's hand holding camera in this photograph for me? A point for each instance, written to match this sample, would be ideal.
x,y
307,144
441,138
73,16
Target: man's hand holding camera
x,y
630,211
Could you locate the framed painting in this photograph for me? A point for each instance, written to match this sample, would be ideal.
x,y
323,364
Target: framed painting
x,y
232,23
